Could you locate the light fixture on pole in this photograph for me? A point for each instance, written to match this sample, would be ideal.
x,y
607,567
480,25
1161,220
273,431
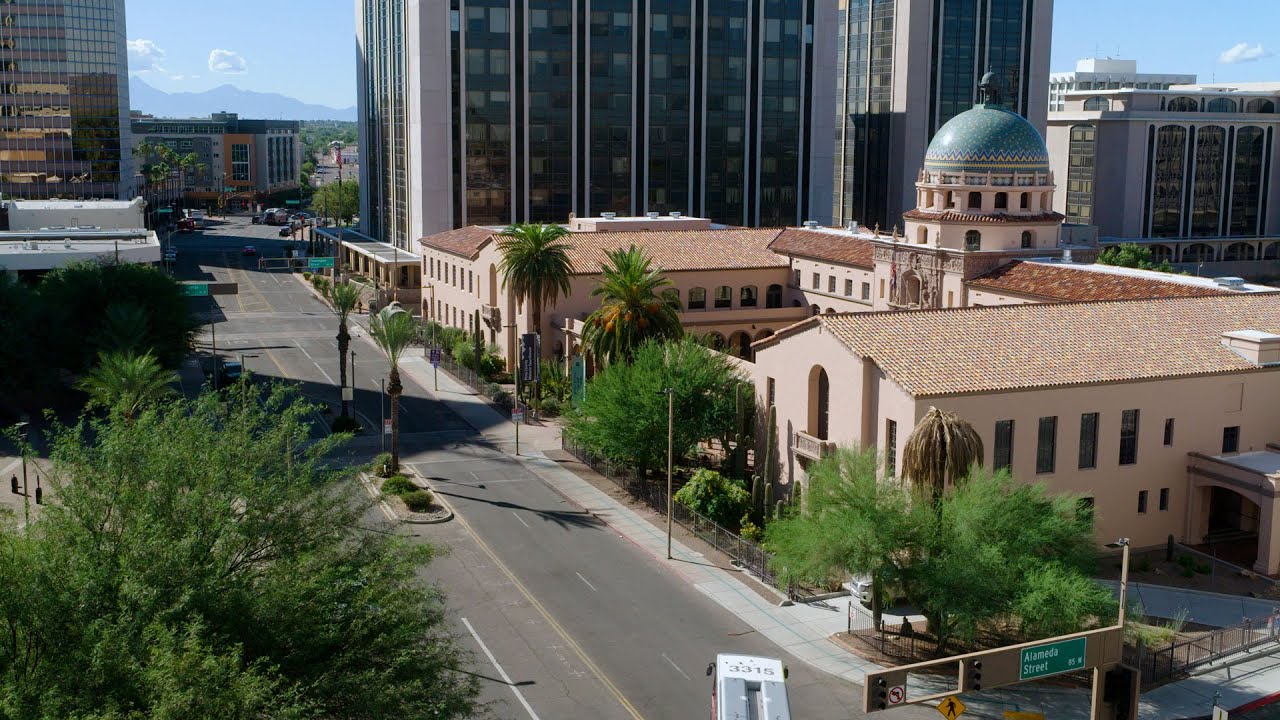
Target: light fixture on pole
x,y
1124,574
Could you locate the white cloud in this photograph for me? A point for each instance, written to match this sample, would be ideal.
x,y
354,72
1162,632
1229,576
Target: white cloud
x,y
144,56
1243,52
226,61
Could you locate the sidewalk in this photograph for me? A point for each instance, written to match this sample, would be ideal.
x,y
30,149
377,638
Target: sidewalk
x,y
804,630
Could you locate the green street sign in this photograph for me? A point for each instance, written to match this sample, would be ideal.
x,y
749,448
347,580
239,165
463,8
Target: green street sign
x,y
1051,659
195,289
163,211
292,202
319,262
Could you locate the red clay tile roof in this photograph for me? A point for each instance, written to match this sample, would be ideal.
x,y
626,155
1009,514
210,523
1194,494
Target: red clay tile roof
x,y
1043,345
1066,284
954,216
673,251
834,247
467,241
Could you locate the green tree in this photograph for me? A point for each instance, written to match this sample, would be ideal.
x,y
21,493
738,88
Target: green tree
x,y
724,500
941,448
126,383
631,310
337,200
1132,255
394,330
344,297
535,265
624,415
25,365
226,572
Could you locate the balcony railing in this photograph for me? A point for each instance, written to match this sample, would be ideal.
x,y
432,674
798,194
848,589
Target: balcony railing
x,y
810,446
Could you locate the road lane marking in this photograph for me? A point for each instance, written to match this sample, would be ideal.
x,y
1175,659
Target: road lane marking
x,y
559,629
519,695
588,582
522,522
672,664
313,361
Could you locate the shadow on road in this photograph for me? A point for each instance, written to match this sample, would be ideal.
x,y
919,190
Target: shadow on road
x,y
565,519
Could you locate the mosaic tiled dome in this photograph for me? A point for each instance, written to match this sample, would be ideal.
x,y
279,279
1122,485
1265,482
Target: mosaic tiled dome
x,y
988,137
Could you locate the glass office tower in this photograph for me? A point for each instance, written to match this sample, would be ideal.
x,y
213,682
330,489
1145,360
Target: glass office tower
x,y
64,100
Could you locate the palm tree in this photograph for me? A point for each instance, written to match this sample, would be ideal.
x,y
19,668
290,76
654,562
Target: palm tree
x,y
127,382
344,296
393,330
632,310
536,266
941,448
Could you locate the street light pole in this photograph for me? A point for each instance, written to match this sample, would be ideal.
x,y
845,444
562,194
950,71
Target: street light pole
x,y
671,503
382,408
1122,543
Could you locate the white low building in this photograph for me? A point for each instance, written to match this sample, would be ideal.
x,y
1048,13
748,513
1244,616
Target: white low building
x,y
40,235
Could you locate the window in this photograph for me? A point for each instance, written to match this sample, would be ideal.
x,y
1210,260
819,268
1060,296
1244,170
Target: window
x,y
747,296
773,297
795,280
890,448
973,241
1129,437
817,281
240,162
671,296
881,288
866,291
1002,201
724,296
1026,239
831,284
1168,432
1047,444
975,201
1231,439
1004,445
1097,103
1142,502
697,298
1164,499
771,391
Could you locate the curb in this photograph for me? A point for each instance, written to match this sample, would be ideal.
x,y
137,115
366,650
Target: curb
x,y
412,518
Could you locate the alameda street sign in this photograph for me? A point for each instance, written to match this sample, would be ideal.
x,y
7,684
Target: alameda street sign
x,y
1044,660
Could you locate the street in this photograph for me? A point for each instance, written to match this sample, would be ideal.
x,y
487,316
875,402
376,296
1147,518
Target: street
x,y
565,618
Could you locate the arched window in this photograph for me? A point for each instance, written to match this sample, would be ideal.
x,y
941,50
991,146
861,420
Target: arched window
x,y
1238,251
1161,253
975,201
1269,252
1028,240
773,296
697,298
1097,103
814,309
714,340
747,295
973,240
671,295
819,402
764,334
1221,105
796,303
910,289
1260,105
740,345
1023,201
1197,252
951,199
1002,201
1183,104
724,296
922,235
829,311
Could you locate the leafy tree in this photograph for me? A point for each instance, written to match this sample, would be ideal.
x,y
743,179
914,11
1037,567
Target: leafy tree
x,y
337,200
24,367
126,383
941,448
344,297
631,310
624,415
394,330
1132,255
224,572
724,500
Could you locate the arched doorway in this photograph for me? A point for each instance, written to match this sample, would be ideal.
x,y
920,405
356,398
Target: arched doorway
x,y
910,289
714,340
1161,253
1197,252
819,402
740,344
764,334
1238,251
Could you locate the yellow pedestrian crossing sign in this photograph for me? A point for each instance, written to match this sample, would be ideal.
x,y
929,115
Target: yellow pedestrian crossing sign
x,y
951,708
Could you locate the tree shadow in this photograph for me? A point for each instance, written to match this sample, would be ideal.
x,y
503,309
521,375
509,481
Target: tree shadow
x,y
565,519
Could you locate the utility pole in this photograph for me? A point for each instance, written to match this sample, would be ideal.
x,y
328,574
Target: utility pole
x,y
382,408
213,343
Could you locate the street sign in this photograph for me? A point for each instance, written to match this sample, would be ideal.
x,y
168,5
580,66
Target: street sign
x,y
319,262
347,394
163,211
1044,660
1219,713
517,416
435,357
386,426
897,694
951,708
195,289
292,202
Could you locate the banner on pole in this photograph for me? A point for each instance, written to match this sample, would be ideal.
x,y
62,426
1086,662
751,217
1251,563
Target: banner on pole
x,y
530,353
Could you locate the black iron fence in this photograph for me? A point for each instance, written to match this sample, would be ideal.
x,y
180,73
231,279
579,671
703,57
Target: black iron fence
x,y
744,553
895,641
1160,665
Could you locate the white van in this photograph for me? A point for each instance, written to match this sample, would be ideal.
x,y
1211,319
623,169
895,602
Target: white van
x,y
197,216
275,216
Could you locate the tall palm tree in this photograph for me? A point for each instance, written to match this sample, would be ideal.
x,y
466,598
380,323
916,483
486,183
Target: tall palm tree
x,y
344,296
536,266
632,310
941,448
127,382
393,330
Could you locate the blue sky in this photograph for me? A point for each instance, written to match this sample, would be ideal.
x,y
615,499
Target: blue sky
x,y
306,48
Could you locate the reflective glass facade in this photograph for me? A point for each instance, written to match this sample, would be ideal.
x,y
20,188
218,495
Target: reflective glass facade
x,y
64,103
1165,180
1246,181
970,38
1206,204
1080,165
864,94
384,149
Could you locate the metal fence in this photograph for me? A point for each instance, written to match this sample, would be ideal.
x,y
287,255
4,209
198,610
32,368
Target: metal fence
x,y
895,641
1161,665
744,553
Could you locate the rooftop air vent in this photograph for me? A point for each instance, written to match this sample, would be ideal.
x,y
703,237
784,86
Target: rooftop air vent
x,y
1066,255
608,215
811,224
853,226
1234,283
651,215
675,214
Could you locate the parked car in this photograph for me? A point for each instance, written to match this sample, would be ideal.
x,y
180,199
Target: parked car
x,y
186,225
286,231
229,370
197,216
256,219
305,218
275,216
249,250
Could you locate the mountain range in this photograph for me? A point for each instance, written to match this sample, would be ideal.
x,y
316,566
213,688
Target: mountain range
x,y
249,104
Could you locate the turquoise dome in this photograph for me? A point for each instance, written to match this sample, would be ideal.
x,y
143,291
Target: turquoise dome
x,y
987,138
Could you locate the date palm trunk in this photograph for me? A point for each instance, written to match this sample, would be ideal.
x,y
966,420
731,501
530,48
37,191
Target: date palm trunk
x,y
394,388
344,344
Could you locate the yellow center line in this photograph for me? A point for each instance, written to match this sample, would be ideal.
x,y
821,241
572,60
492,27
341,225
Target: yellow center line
x,y
582,654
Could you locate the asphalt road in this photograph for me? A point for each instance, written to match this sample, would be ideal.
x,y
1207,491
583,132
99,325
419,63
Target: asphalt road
x,y
565,618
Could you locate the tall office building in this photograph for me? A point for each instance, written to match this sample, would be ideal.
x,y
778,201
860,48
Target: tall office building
x,y
64,100
484,112
906,67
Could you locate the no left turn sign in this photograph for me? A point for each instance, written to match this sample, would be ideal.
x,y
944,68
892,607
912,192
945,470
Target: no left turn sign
x,y
897,695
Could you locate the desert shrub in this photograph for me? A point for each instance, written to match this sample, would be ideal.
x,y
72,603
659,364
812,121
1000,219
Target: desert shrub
x,y
550,407
398,485
722,499
750,531
306,276
381,463
418,500
504,399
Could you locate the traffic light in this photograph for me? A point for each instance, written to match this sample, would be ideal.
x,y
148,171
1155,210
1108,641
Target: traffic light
x,y
881,694
884,689
972,676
